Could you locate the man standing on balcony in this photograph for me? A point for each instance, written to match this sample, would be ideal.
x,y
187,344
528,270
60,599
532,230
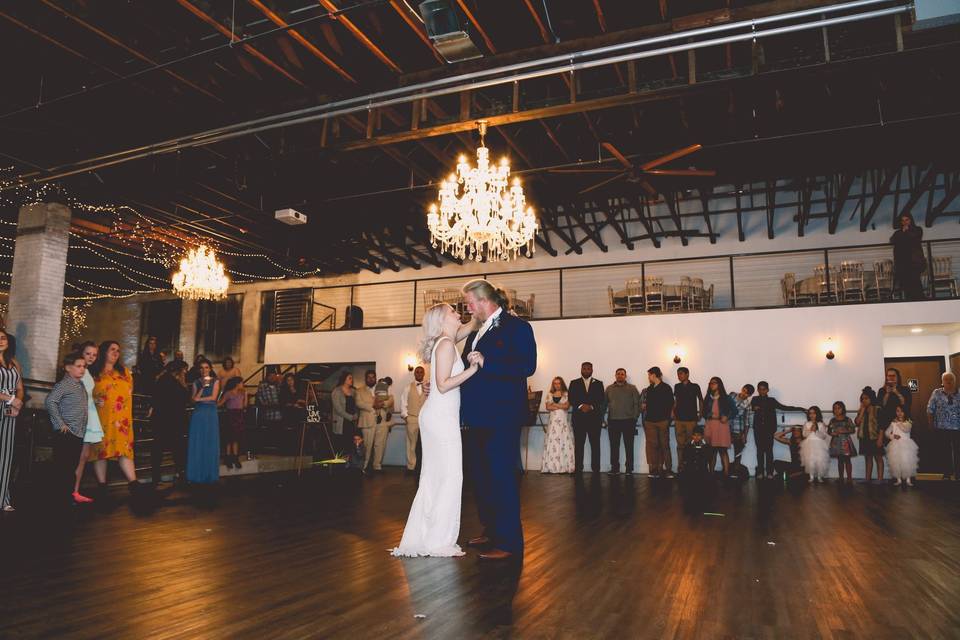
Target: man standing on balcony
x,y
411,401
374,433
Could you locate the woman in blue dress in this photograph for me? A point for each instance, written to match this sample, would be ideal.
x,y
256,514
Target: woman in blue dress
x,y
203,447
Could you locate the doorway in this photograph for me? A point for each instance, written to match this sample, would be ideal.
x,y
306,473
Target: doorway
x,y
922,375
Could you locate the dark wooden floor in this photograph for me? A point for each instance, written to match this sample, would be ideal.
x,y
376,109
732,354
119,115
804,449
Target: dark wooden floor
x,y
606,558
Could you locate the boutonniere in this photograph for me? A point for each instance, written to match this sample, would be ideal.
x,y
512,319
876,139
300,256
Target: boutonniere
x,y
494,324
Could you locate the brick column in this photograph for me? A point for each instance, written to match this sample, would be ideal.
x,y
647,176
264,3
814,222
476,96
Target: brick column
x,y
36,287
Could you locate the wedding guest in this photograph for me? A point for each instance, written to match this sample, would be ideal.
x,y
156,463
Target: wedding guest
x,y
357,453
381,391
623,410
893,394
687,409
178,357
411,401
149,365
814,451
234,398
943,414
656,425
203,443
869,433
558,446
168,419
94,432
194,373
695,469
717,409
292,401
66,405
841,428
113,395
792,437
374,435
344,408
229,370
765,408
11,395
740,421
909,261
902,452
586,397
268,399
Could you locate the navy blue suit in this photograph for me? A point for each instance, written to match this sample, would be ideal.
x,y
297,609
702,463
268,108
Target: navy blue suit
x,y
493,404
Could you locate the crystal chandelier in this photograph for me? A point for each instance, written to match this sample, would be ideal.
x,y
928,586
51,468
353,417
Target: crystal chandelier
x,y
201,276
481,214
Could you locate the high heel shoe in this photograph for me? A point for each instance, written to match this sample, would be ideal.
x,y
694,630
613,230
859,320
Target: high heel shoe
x,y
80,498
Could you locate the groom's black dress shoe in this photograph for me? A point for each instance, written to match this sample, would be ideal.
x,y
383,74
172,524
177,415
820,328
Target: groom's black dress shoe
x,y
479,541
496,554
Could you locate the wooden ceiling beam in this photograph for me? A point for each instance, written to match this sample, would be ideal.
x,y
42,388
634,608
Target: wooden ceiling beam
x,y
601,20
359,35
536,18
250,49
275,18
58,44
476,24
136,54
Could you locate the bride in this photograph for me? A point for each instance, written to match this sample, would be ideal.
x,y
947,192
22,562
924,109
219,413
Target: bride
x,y
434,521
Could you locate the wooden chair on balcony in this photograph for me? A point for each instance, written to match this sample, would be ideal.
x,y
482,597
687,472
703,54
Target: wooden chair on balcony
x,y
635,302
827,293
708,298
882,288
788,288
618,305
680,301
943,276
653,300
851,281
697,295
523,307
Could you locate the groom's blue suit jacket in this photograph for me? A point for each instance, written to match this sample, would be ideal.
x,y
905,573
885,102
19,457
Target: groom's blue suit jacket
x,y
496,396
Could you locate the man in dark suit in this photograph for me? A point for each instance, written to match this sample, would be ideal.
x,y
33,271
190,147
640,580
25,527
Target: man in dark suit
x,y
588,403
493,406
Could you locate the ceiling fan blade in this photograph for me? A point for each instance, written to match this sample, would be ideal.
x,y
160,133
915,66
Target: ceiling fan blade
x,y
616,154
585,171
681,172
603,182
679,153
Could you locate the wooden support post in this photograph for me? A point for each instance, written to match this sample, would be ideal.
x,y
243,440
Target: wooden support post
x,y
516,97
415,115
632,76
371,120
826,44
465,105
572,83
898,29
323,132
692,66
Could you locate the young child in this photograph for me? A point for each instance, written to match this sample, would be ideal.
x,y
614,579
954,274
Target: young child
x,y
357,453
696,455
814,451
841,430
67,406
902,452
792,437
382,393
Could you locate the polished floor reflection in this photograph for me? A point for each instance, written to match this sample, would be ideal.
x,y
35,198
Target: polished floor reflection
x,y
606,557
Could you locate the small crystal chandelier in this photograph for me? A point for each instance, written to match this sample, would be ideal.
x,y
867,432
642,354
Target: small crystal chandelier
x,y
201,276
481,214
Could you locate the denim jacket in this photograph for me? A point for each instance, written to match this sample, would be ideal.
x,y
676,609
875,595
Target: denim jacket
x,y
727,408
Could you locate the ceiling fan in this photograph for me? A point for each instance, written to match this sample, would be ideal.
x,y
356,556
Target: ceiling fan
x,y
639,174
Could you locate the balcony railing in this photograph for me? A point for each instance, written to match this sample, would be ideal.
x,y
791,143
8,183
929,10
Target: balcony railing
x,y
860,274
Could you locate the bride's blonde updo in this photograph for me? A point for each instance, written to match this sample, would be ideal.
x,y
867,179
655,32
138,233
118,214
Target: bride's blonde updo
x,y
432,330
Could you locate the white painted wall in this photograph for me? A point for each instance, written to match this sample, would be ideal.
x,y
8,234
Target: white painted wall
x,y
783,346
955,342
918,345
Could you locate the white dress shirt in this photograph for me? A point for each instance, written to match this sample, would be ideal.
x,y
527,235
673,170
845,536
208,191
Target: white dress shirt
x,y
485,327
586,387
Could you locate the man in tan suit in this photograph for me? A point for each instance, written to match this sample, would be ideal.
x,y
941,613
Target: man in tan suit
x,y
411,401
374,435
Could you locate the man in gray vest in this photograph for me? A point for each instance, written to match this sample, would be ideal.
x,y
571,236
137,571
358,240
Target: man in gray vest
x,y
411,401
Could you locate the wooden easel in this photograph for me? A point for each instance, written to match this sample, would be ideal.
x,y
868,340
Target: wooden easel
x,y
311,398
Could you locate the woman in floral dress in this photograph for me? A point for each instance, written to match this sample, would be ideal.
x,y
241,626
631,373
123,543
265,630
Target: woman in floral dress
x,y
113,395
558,445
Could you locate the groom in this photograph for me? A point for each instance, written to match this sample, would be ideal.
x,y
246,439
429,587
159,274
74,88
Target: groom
x,y
493,404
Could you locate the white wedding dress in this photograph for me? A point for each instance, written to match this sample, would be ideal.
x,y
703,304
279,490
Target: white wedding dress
x,y
434,521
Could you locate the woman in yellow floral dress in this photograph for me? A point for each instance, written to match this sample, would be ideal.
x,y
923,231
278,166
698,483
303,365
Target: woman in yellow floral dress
x,y
113,395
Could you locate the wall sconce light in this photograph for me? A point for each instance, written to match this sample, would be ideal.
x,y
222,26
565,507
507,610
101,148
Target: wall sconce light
x,y
829,347
411,361
677,353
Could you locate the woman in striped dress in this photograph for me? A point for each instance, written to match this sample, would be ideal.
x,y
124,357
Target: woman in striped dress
x,y
11,400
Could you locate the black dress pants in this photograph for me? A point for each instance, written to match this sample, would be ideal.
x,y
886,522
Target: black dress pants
x,y
624,429
581,432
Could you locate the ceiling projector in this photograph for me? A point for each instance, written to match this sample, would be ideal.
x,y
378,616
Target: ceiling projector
x,y
290,216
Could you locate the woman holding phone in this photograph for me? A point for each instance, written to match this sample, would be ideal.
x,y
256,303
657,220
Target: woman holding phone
x,y
203,448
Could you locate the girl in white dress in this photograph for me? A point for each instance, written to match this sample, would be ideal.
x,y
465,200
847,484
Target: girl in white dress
x,y
434,521
903,454
558,445
814,450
